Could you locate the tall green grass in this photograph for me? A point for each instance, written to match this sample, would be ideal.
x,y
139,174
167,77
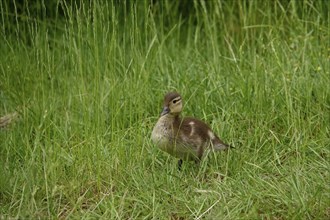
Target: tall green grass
x,y
87,80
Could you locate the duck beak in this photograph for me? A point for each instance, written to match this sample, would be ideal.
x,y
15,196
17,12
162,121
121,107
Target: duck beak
x,y
165,111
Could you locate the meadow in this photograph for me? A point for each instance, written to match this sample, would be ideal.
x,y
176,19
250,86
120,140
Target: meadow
x,y
86,81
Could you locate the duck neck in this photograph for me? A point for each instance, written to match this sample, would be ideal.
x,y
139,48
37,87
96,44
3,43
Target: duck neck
x,y
171,118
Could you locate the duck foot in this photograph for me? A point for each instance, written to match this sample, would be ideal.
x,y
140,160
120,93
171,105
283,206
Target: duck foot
x,y
179,164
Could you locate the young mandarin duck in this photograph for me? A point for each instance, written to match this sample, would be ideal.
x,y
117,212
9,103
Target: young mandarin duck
x,y
186,138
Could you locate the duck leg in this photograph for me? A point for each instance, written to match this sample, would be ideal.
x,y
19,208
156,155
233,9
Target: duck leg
x,y
179,164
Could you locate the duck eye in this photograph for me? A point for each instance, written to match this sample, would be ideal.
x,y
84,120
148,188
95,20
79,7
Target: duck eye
x,y
175,101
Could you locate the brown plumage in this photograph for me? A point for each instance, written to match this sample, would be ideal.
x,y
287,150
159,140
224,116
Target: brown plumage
x,y
186,138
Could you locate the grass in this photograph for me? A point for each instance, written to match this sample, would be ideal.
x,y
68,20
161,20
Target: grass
x,y
87,84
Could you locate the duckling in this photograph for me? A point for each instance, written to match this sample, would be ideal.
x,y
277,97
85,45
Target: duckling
x,y
187,138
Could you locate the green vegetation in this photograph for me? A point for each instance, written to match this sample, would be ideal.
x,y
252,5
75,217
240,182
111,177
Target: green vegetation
x,y
87,80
